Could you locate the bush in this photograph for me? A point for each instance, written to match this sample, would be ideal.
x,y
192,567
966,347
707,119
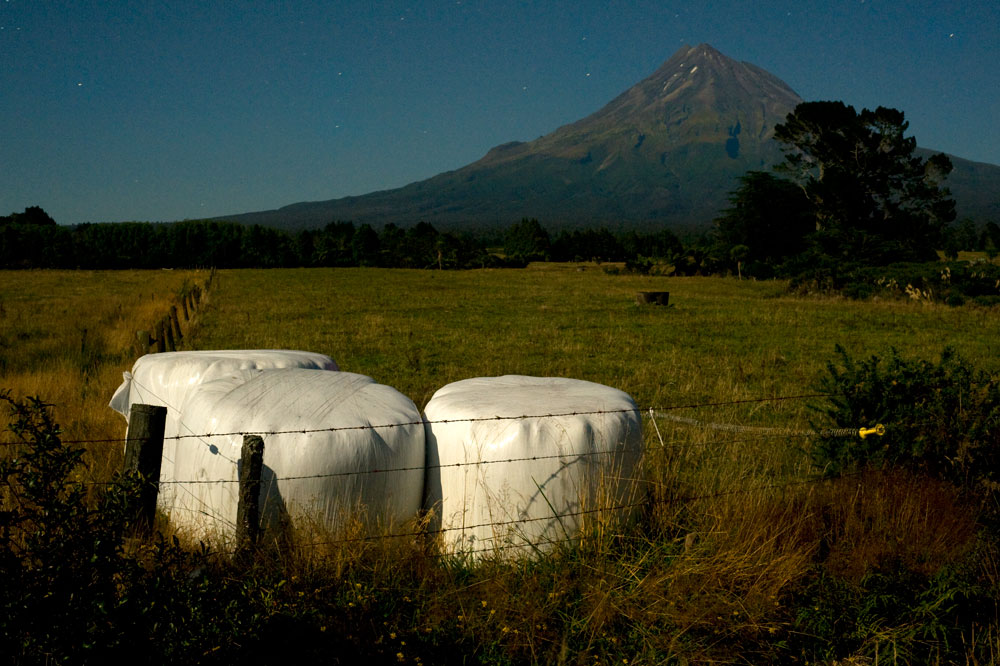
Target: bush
x,y
952,282
895,613
942,419
76,589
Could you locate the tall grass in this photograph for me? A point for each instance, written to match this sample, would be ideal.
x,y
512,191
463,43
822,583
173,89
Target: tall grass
x,y
67,336
737,554
740,555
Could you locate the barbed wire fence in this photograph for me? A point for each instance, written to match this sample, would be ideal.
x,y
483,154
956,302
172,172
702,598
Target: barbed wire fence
x,y
731,433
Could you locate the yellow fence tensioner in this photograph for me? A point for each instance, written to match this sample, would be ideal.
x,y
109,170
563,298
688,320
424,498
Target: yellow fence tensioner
x,y
877,430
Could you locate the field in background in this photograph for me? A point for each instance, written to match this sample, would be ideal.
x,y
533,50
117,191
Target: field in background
x,y
67,336
729,562
720,339
714,567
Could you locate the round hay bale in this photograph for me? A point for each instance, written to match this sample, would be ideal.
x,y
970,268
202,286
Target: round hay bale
x,y
166,379
516,464
333,473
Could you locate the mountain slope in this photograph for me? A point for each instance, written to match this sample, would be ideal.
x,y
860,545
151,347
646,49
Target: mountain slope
x,y
666,152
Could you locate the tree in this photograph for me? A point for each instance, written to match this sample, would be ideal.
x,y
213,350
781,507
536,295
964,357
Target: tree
x,y
874,201
527,240
770,218
365,246
990,239
421,246
31,215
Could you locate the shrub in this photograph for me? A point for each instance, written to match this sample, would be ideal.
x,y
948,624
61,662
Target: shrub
x,y
942,419
76,589
58,561
951,282
895,613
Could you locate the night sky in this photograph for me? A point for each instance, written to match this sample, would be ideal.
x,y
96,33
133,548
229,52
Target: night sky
x,y
171,110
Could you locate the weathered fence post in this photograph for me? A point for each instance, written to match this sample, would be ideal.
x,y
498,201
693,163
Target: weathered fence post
x,y
143,452
184,306
168,330
248,509
176,323
161,338
142,342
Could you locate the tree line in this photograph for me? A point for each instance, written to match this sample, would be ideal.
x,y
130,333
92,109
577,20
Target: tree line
x,y
851,193
33,240
759,244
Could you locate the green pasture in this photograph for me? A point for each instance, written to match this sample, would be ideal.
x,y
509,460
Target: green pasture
x,y
719,340
740,552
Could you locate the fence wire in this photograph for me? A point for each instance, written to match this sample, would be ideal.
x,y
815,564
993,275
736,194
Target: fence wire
x,y
659,411
645,502
749,433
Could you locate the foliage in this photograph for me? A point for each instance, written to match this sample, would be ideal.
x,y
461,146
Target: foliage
x,y
770,218
941,418
214,243
32,215
962,236
953,283
874,201
894,613
60,561
527,240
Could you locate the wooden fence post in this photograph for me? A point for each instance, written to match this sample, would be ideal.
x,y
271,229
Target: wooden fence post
x,y
161,338
248,509
184,306
168,331
176,324
143,453
143,340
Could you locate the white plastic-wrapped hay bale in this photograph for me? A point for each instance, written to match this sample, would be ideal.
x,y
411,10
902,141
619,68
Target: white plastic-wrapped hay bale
x,y
355,431
497,481
166,379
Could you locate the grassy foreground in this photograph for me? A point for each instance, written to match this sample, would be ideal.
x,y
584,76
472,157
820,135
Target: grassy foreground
x,y
741,557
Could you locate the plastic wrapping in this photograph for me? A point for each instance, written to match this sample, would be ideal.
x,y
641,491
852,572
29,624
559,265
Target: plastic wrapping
x,y
166,379
499,482
327,476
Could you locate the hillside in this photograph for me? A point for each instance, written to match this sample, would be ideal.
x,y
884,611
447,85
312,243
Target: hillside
x,y
666,152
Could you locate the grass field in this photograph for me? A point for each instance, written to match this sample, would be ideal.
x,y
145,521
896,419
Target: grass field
x,y
67,336
740,558
719,340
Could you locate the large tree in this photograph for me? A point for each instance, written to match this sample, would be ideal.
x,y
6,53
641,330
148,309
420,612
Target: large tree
x,y
874,200
769,218
527,240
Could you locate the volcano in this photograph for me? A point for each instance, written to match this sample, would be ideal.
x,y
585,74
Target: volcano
x,y
665,153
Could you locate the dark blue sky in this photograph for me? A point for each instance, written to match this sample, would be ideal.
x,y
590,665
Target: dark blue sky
x,y
171,110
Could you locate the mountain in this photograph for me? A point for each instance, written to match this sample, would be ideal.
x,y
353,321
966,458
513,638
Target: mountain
x,y
666,152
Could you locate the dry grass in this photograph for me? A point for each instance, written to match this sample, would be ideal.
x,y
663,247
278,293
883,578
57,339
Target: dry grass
x,y
67,336
735,525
